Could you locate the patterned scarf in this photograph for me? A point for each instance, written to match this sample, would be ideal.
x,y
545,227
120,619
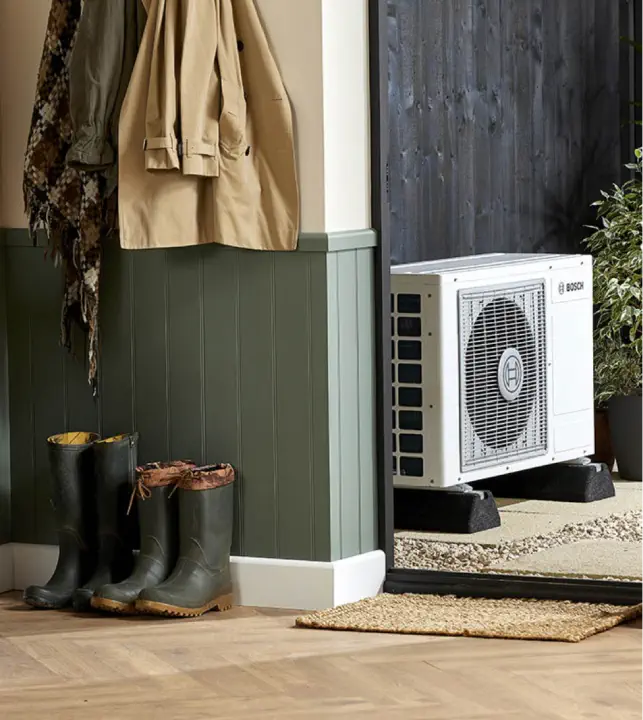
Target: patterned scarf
x,y
67,204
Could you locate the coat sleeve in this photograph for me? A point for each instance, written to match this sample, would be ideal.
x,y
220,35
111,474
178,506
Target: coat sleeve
x,y
200,88
95,71
195,107
161,112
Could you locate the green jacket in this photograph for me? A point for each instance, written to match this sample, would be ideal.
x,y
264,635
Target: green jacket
x,y
101,64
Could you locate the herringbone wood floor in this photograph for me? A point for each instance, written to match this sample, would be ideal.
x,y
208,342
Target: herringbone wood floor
x,y
252,664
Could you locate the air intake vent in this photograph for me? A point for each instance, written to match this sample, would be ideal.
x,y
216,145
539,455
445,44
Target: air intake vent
x,y
503,375
408,397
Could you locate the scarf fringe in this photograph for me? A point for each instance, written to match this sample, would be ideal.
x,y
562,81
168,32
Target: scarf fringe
x,y
66,205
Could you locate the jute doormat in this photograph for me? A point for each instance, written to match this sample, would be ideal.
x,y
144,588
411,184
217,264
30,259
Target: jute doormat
x,y
472,617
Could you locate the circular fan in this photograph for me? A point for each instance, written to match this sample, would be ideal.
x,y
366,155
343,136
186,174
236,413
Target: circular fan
x,y
501,366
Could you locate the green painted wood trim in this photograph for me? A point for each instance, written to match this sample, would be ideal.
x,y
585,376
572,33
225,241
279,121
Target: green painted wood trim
x,y
264,360
308,242
19,237
351,387
337,241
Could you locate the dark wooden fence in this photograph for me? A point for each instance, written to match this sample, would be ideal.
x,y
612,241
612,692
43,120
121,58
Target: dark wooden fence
x,y
506,120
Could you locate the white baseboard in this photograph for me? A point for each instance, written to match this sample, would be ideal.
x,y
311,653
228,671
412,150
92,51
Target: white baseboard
x,y
258,582
307,585
33,564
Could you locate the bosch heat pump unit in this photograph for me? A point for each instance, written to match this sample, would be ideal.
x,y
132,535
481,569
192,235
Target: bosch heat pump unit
x,y
492,366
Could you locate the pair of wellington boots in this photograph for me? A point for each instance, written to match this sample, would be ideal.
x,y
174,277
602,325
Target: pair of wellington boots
x,y
183,568
92,481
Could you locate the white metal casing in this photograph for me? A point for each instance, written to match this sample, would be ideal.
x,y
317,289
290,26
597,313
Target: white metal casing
x,y
567,283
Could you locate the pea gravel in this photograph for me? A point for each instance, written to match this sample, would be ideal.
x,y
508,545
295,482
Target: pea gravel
x,y
418,553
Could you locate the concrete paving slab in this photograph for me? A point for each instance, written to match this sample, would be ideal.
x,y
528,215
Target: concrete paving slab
x,y
587,558
623,501
628,486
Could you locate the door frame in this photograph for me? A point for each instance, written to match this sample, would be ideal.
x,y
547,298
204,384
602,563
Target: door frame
x,y
400,580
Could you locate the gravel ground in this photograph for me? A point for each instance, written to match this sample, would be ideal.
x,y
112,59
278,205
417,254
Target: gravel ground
x,y
418,553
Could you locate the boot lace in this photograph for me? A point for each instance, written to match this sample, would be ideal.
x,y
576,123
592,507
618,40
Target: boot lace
x,y
140,489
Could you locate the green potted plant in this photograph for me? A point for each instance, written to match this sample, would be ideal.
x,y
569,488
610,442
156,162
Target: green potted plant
x,y
616,247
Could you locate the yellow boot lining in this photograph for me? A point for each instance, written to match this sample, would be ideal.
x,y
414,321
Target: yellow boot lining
x,y
113,439
74,438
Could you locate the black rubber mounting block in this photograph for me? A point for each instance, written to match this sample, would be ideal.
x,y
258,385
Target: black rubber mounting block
x,y
445,511
558,483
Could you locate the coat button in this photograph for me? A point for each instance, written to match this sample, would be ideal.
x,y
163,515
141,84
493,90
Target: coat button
x,y
248,151
240,45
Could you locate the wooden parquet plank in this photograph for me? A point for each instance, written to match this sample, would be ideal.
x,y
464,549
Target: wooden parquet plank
x,y
249,664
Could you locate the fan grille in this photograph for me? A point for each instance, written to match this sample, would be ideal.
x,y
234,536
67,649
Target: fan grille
x,y
503,375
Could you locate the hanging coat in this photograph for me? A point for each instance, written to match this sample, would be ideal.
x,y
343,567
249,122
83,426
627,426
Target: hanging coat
x,y
206,146
107,40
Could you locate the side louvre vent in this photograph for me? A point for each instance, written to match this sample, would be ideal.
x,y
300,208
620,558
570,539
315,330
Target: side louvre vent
x,y
408,397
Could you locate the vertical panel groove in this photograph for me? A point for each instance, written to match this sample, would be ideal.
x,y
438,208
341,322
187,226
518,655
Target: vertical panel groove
x,y
32,418
359,350
101,376
242,443
132,321
202,360
98,404
311,406
338,449
322,355
237,353
349,401
5,434
275,392
257,375
168,404
66,427
184,354
366,403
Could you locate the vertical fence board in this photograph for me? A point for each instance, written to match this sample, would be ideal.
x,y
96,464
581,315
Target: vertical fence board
x,y
504,122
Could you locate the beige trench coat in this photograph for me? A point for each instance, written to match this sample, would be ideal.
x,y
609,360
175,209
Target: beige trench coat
x,y
206,146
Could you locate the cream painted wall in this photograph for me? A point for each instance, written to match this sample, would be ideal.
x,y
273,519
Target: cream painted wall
x,y
22,29
294,28
346,115
321,47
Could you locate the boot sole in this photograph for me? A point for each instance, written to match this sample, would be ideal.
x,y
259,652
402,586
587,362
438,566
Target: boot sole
x,y
40,605
113,606
221,603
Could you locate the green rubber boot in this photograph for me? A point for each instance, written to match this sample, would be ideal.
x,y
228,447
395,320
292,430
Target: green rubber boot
x,y
158,521
71,459
115,473
201,579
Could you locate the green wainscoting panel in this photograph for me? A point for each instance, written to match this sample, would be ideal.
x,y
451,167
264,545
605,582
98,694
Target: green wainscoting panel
x,y
5,465
264,360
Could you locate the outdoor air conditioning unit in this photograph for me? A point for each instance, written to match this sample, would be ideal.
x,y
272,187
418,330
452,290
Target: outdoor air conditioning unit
x,y
492,366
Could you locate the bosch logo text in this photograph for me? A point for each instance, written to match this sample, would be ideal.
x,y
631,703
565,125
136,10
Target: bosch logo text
x,y
570,287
